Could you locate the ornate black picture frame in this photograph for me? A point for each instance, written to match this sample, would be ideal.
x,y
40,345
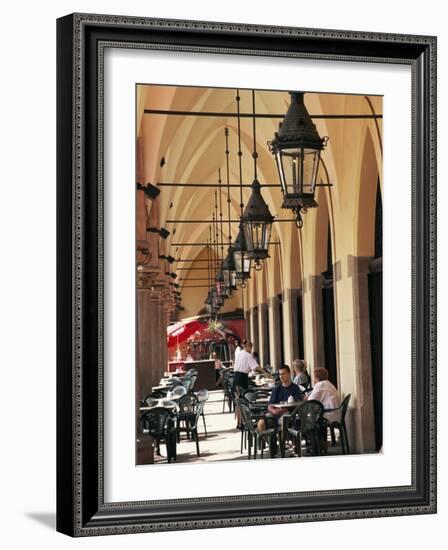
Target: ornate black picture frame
x,y
81,509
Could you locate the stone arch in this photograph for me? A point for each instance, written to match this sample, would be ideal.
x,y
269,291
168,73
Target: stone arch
x,y
295,271
321,233
364,237
274,268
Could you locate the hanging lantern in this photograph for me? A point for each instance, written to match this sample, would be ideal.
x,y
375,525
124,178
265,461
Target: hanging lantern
x,y
221,286
257,223
241,260
256,218
219,294
228,272
208,304
217,301
297,147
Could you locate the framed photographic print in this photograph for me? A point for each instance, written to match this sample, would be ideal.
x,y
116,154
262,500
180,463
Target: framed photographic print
x,y
246,274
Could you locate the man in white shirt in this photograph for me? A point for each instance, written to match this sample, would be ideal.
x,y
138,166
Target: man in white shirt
x,y
238,348
244,364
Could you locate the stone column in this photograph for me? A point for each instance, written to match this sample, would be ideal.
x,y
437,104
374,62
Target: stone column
x,y
254,329
274,332
145,316
263,348
247,319
151,342
290,325
162,347
313,322
358,269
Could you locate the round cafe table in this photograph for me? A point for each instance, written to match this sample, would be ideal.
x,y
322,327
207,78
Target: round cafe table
x,y
159,404
287,405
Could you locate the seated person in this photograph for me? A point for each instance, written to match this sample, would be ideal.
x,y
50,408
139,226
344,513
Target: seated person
x,y
279,394
218,365
302,378
326,393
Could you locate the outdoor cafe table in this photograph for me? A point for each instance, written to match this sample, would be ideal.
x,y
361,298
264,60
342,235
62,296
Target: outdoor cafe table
x,y
145,409
159,404
259,406
286,405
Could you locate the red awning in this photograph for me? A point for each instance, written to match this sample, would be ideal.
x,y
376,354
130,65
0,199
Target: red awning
x,y
179,332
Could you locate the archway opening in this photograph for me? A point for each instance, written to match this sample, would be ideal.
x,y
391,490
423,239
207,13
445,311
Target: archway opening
x,y
328,315
375,282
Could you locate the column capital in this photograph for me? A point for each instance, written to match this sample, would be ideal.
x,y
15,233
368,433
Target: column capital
x,y
145,280
291,293
337,271
358,265
313,283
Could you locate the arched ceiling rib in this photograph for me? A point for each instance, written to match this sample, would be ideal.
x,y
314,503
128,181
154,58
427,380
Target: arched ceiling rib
x,y
194,150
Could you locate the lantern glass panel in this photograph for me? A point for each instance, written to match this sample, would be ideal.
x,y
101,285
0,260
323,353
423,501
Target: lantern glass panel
x,y
229,279
258,235
246,265
242,265
278,161
232,280
310,166
298,170
238,258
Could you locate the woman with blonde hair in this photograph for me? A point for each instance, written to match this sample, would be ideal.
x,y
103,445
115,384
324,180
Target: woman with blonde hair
x,y
302,377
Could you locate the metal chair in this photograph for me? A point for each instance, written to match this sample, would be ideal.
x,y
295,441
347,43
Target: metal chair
x,y
168,404
241,426
202,395
340,425
254,435
160,424
228,390
177,392
185,416
149,401
305,423
191,419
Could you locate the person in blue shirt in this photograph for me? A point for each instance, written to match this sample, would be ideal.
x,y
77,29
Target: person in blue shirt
x,y
281,394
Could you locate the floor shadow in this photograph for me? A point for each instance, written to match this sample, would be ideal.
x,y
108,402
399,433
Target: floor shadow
x,y
48,519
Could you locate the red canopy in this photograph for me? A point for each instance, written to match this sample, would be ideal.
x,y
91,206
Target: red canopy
x,y
181,331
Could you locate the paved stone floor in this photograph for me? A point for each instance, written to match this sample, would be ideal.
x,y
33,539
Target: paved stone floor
x,y
223,439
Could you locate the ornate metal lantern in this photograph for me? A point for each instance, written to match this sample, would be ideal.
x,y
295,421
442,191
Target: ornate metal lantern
x,y
257,219
208,303
228,273
297,147
240,258
257,223
219,294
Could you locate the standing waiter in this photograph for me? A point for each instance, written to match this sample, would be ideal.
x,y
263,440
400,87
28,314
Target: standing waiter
x,y
244,364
